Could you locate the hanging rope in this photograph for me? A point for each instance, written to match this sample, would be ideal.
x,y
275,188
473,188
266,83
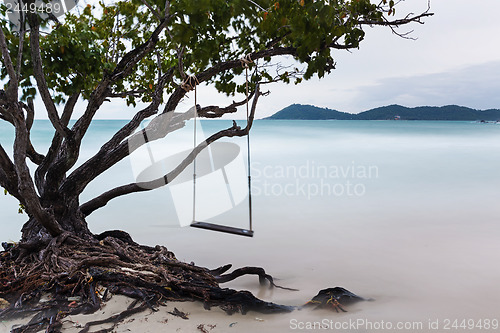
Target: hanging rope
x,y
189,84
245,62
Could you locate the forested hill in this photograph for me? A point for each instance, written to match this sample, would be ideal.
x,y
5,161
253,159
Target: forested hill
x,y
310,112
449,112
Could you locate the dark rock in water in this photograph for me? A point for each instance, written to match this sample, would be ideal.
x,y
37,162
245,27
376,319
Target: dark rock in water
x,y
334,298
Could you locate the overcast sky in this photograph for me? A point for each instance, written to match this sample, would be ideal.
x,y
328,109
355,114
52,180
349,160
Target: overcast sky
x,y
455,60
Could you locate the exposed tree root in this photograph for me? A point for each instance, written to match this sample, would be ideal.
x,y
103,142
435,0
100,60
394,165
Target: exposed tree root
x,y
69,275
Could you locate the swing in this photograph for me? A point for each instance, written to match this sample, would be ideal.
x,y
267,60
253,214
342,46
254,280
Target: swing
x,y
218,227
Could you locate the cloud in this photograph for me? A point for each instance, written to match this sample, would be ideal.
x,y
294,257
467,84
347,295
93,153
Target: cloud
x,y
473,86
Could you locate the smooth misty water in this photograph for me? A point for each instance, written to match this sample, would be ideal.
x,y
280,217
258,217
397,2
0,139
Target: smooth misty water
x,y
404,212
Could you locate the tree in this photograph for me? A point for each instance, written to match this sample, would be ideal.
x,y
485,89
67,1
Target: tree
x,y
142,50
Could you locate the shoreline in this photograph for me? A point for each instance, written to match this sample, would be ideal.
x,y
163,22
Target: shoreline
x,y
199,319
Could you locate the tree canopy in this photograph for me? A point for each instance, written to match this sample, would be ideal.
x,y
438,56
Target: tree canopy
x,y
188,37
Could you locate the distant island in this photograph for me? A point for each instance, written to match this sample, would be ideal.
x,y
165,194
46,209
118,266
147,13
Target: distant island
x,y
391,112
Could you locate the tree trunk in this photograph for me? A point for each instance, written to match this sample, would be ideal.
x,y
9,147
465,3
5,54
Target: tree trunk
x,y
67,215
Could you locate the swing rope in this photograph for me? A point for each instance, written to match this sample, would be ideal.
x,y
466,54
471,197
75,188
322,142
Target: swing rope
x,y
194,161
190,84
245,62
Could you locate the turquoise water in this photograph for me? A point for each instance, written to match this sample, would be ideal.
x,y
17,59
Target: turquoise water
x,y
405,212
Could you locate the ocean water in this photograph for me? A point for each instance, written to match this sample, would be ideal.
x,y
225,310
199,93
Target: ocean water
x,y
406,213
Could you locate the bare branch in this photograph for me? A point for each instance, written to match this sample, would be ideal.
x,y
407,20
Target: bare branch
x,y
52,153
26,186
393,25
214,111
8,174
14,82
397,23
107,154
167,8
6,57
134,93
155,13
40,77
69,108
233,131
33,155
30,113
180,54
21,46
124,68
179,93
107,157
70,149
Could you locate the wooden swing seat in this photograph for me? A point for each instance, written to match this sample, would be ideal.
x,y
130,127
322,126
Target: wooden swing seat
x,y
222,228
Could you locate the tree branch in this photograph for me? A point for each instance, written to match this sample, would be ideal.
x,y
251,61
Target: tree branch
x,y
8,174
26,186
30,113
179,93
397,23
213,111
40,77
124,68
233,131
6,57
69,108
107,156
134,93
14,81
69,151
52,153
33,155
21,45
93,166
155,13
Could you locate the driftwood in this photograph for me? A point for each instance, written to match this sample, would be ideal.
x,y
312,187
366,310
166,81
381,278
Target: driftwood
x,y
76,276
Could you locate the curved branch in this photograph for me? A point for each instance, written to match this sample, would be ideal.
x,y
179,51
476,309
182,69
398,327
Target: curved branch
x,y
102,200
397,23
179,93
8,174
134,93
33,155
93,166
109,155
214,111
30,113
69,151
155,13
124,67
69,108
41,171
26,186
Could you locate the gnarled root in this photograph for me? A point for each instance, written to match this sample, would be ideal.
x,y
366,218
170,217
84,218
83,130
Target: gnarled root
x,y
76,275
